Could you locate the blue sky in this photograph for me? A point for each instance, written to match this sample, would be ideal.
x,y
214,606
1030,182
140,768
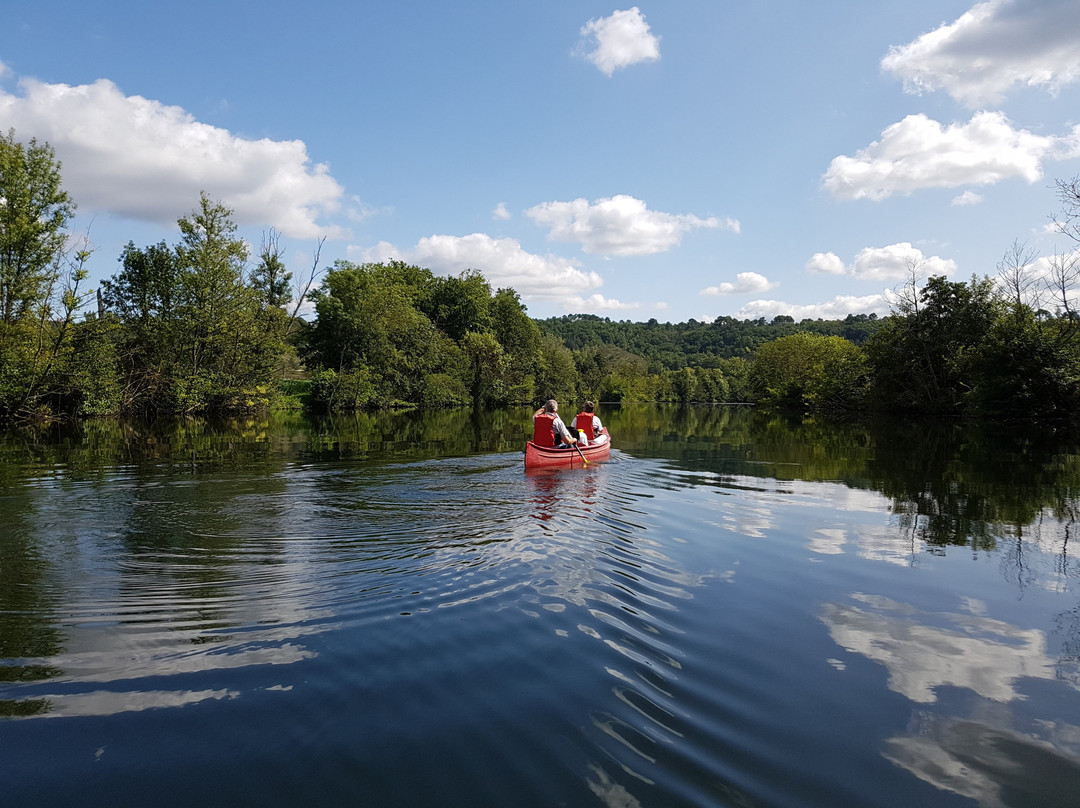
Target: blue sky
x,y
673,160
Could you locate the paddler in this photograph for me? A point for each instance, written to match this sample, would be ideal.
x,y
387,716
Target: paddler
x,y
548,428
587,424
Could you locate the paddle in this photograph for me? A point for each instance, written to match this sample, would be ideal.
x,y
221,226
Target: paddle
x,y
583,460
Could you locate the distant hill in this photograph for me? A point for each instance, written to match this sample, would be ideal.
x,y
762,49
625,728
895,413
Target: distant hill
x,y
672,346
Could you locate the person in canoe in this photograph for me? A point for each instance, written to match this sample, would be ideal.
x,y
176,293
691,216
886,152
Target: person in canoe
x,y
587,425
548,428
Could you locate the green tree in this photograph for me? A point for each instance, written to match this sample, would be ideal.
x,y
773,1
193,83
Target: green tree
x,y
367,322
520,338
486,358
225,349
41,283
927,356
609,373
809,370
197,333
270,278
556,372
461,304
34,210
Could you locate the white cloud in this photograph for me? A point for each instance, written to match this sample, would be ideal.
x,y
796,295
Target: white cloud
x,y
919,152
500,212
828,263
967,198
620,225
745,283
992,48
502,262
893,262
139,158
836,309
596,303
623,39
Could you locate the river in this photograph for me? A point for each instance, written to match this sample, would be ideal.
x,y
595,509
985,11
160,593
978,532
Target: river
x,y
737,609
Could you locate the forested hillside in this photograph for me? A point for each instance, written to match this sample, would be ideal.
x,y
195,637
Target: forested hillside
x,y
670,346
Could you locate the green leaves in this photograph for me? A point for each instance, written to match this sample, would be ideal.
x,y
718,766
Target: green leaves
x,y
809,371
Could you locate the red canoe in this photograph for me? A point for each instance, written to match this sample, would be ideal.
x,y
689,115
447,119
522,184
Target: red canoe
x,y
544,457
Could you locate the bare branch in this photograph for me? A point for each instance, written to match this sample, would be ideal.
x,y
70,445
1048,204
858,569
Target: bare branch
x,y
904,298
1017,277
1064,276
302,291
1068,223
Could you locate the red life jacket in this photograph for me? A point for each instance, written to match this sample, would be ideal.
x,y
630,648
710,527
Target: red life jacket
x,y
585,424
543,434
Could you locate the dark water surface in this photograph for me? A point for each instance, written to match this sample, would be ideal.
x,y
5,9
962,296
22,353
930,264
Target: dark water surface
x,y
737,610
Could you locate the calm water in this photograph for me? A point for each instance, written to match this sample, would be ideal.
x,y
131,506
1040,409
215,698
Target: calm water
x,y
737,610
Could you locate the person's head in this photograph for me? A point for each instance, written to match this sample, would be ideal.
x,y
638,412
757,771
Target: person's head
x,y
590,406
551,405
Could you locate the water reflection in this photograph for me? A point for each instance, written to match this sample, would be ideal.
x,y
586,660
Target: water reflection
x,y
998,768
997,755
644,631
924,652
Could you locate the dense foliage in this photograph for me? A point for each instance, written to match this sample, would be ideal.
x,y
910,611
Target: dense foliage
x,y
195,327
673,346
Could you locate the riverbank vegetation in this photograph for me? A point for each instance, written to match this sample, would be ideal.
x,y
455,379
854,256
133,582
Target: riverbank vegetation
x,y
201,325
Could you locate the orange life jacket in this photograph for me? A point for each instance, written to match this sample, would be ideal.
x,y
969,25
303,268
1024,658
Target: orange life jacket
x,y
585,424
543,433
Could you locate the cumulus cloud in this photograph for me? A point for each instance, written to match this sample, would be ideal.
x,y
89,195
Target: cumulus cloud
x,y
836,309
828,263
596,303
502,261
621,40
745,283
500,212
896,261
620,225
965,199
992,48
138,158
893,262
919,152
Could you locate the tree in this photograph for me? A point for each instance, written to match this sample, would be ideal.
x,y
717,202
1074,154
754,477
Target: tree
x,y
147,288
270,278
41,276
1068,221
520,338
609,373
367,322
198,334
460,305
927,356
34,210
556,372
486,358
811,371
1016,276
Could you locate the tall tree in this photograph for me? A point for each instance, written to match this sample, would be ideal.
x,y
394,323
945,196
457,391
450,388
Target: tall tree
x,y
34,210
926,357
270,277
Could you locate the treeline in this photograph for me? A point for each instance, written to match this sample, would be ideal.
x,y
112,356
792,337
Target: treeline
x,y
197,326
674,346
